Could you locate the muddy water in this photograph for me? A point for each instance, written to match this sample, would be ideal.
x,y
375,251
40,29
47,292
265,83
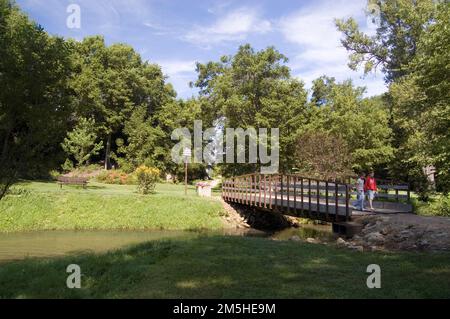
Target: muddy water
x,y
16,246
320,232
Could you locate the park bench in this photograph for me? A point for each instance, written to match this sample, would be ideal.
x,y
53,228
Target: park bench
x,y
64,180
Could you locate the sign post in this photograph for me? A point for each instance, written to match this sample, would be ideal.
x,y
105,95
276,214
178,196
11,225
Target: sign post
x,y
187,153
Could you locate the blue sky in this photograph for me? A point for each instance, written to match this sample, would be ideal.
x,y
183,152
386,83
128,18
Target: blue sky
x,y
177,33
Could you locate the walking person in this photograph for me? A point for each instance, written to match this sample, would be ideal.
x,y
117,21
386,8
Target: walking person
x,y
359,204
370,187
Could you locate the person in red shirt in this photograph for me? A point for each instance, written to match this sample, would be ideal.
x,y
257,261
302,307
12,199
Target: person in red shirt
x,y
370,188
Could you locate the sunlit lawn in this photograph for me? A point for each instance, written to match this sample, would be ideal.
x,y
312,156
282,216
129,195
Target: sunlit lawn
x,y
44,206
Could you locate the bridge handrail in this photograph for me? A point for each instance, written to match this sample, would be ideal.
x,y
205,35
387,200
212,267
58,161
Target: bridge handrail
x,y
245,188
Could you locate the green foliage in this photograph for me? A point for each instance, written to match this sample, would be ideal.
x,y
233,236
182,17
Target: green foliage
x,y
412,47
147,178
331,161
67,166
111,84
81,142
195,172
144,142
34,104
438,207
363,124
54,174
401,24
253,90
421,103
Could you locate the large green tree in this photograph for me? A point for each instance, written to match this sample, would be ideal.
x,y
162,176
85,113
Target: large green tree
x,y
254,90
421,102
81,143
394,45
362,123
34,96
411,46
111,83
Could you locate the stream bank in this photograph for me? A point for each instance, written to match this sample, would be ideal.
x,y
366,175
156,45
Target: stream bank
x,y
384,232
401,232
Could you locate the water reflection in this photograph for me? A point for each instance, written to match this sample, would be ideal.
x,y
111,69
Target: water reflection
x,y
16,246
322,233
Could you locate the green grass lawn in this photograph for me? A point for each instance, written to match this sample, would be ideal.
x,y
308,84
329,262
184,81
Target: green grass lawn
x,y
230,267
194,265
44,206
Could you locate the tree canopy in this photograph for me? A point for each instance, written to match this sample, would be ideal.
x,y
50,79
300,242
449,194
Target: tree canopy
x,y
254,90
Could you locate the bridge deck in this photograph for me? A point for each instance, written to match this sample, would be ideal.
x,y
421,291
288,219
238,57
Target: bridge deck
x,y
304,197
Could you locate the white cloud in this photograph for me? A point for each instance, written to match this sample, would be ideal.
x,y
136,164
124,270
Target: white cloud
x,y
234,26
174,67
219,7
319,50
314,26
180,73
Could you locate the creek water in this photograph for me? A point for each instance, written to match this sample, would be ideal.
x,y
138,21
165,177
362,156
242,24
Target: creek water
x,y
17,246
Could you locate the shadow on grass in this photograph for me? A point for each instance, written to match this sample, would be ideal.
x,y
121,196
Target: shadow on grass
x,y
229,267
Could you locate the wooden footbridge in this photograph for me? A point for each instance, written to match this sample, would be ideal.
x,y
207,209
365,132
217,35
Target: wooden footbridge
x,y
298,196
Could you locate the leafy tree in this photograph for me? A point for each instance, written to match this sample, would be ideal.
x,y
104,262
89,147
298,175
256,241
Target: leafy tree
x,y
111,82
81,142
392,48
421,102
144,142
253,90
179,114
331,161
363,124
34,96
411,45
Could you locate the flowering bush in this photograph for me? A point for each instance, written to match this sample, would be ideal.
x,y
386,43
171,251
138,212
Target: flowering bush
x,y
147,178
116,177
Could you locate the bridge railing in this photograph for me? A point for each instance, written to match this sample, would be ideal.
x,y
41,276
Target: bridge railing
x,y
388,190
291,194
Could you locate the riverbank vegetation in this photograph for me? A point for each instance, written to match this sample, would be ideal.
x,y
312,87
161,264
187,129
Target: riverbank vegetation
x,y
436,206
36,206
230,267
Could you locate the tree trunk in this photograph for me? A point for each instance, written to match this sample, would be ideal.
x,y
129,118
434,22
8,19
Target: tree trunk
x,y
5,146
108,150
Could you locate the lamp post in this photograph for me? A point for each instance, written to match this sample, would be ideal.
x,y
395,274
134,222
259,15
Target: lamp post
x,y
187,155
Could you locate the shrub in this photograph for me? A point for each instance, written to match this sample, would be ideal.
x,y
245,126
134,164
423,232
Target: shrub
x,y
54,174
440,207
116,177
67,166
147,178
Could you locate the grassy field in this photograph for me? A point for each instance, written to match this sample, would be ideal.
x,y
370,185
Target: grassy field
x,y
230,267
194,265
44,206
